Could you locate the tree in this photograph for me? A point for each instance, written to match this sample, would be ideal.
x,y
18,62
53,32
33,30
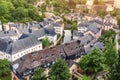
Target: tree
x,y
4,68
73,26
45,42
110,53
18,11
118,20
107,35
5,8
39,74
93,62
114,73
60,6
59,71
84,77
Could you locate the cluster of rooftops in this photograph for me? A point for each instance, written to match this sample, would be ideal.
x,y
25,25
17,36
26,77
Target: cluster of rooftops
x,y
85,38
16,37
46,57
11,47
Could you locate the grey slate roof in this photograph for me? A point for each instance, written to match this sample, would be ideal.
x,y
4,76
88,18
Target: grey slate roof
x,y
32,60
86,39
56,24
76,33
91,26
99,45
12,47
50,30
8,33
39,33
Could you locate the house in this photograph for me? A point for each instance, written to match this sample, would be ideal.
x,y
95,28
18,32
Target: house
x,y
86,40
117,3
48,14
74,16
25,66
110,22
8,26
56,19
12,34
89,3
99,45
50,33
109,7
73,50
91,27
67,36
13,50
58,28
77,34
40,34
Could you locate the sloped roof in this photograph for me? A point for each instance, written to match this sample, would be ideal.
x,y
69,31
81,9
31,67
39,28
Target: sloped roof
x,y
41,57
12,47
8,33
86,39
39,33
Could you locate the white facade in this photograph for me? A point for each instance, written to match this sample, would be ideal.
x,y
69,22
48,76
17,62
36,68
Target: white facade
x,y
0,26
67,37
117,3
82,30
58,30
108,27
52,38
89,3
18,55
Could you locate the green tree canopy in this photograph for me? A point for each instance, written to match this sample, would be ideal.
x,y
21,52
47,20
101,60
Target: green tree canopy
x,y
4,68
84,77
114,73
93,62
45,42
110,53
59,70
18,11
39,74
73,26
60,6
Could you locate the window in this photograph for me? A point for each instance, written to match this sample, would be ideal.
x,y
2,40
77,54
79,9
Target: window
x,y
52,54
47,56
48,64
41,58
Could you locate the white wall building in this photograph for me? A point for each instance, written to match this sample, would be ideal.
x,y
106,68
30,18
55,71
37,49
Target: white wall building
x,y
117,3
16,49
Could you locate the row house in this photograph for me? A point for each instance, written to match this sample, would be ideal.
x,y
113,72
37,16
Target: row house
x,y
25,66
13,50
110,22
